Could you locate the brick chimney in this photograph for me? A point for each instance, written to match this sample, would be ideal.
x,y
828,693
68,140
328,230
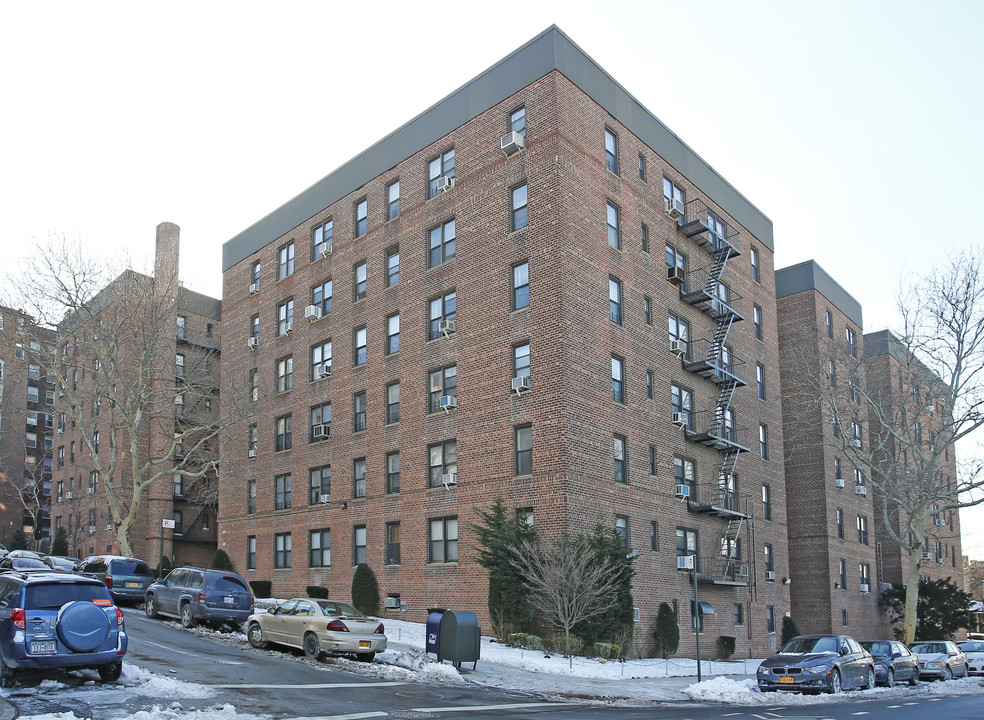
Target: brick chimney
x,y
166,257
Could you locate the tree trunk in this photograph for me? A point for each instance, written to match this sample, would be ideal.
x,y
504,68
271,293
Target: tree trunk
x,y
912,594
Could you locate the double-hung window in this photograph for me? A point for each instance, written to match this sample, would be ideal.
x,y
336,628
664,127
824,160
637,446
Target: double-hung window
x,y
393,200
679,330
320,422
393,266
615,300
359,282
443,540
614,236
320,488
440,383
359,411
359,347
393,403
282,550
320,548
393,334
684,474
521,360
441,243
359,544
393,472
520,206
285,317
524,450
682,402
517,121
361,211
285,374
359,478
321,360
618,379
282,492
521,285
285,261
442,460
321,296
393,543
438,168
621,464
321,239
283,436
611,151
441,308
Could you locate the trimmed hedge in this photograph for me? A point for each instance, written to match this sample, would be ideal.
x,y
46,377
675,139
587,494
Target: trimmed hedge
x,y
316,591
261,588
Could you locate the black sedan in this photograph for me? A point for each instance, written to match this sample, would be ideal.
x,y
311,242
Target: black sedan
x,y
818,663
894,662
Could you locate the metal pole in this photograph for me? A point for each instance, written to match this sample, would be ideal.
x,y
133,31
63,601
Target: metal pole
x,y
160,564
696,615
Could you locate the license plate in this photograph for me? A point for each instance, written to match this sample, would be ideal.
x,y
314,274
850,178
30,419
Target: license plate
x,y
40,648
364,643
229,600
785,679
133,584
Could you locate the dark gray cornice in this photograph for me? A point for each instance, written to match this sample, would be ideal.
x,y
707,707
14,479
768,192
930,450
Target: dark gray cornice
x,y
810,276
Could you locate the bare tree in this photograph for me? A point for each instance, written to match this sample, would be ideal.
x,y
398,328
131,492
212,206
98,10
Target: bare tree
x,y
568,581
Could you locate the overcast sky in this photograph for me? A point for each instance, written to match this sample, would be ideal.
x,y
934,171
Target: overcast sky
x,y
853,125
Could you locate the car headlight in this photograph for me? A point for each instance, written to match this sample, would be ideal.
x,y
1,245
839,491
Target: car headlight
x,y
934,664
763,670
880,666
817,669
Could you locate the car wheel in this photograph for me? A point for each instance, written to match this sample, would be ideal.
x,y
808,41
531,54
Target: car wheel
x,y
255,636
890,678
150,607
947,673
835,681
312,646
111,672
914,680
869,679
187,619
366,657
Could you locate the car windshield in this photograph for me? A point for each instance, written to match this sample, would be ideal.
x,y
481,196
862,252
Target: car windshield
x,y
227,583
339,609
53,596
879,649
23,563
972,646
929,648
130,567
803,645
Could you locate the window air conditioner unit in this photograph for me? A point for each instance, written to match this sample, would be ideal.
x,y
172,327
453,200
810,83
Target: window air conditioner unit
x,y
685,562
288,327
61,393
678,348
109,527
324,370
512,143
521,383
447,402
68,495
326,250
445,183
324,498
770,575
939,522
312,313
446,327
449,479
680,418
675,275
860,490
92,529
864,588
251,453
925,556
254,288
939,560
856,442
682,491
838,482
60,430
322,431
391,603
743,572
673,207
90,491
252,342
884,587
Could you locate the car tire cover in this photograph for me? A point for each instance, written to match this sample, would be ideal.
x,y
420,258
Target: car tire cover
x,y
82,626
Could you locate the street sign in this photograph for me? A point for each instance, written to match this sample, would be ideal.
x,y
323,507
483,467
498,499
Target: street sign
x,y
165,523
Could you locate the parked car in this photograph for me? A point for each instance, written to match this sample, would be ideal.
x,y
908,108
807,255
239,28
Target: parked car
x,y
3,551
197,594
974,650
829,663
21,563
318,627
940,659
61,562
56,620
126,577
894,662
25,554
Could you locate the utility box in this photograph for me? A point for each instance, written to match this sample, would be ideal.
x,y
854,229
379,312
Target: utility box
x,y
459,638
432,642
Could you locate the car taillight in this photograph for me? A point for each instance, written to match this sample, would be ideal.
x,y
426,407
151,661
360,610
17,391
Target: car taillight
x,y
337,626
119,617
379,630
109,581
201,597
18,618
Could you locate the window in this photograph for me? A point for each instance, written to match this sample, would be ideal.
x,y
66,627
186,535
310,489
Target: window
x,y
393,266
393,543
767,552
177,484
524,450
686,542
520,206
321,296
359,478
359,281
830,324
521,360
441,244
282,496
757,321
359,411
320,356
393,334
649,384
738,614
61,456
319,543
684,474
917,432
770,618
285,317
645,238
832,373
842,574
285,374
179,365
858,477
283,437
654,535
320,417
856,434
320,486
680,331
361,210
681,401
622,529
611,151
393,472
285,264
839,520
359,543
862,529
614,238
838,473
764,442
615,300
254,325
521,285
517,121
618,449
440,167
441,308
393,403
852,342
31,440
642,167
844,617
440,383
766,502
251,552
442,459
760,380
255,276
618,379
443,540
182,327
393,200
281,552
359,347
754,260
321,239
95,442
864,573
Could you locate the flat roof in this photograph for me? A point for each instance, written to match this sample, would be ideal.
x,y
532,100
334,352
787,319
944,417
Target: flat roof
x,y
809,275
550,50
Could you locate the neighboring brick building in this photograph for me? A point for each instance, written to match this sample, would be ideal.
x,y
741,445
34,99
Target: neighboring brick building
x,y
152,344
26,429
456,316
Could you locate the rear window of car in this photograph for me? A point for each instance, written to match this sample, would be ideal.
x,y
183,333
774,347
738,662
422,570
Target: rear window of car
x,y
52,596
129,567
227,583
878,648
972,646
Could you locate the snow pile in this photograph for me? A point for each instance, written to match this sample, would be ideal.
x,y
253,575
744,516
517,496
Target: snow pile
x,y
174,712
144,682
721,689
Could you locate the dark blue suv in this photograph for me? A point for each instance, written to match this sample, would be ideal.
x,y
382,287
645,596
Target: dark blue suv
x,y
193,594
58,620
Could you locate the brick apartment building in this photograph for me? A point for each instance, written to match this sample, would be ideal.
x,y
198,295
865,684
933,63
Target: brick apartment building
x,y
151,343
532,291
26,429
